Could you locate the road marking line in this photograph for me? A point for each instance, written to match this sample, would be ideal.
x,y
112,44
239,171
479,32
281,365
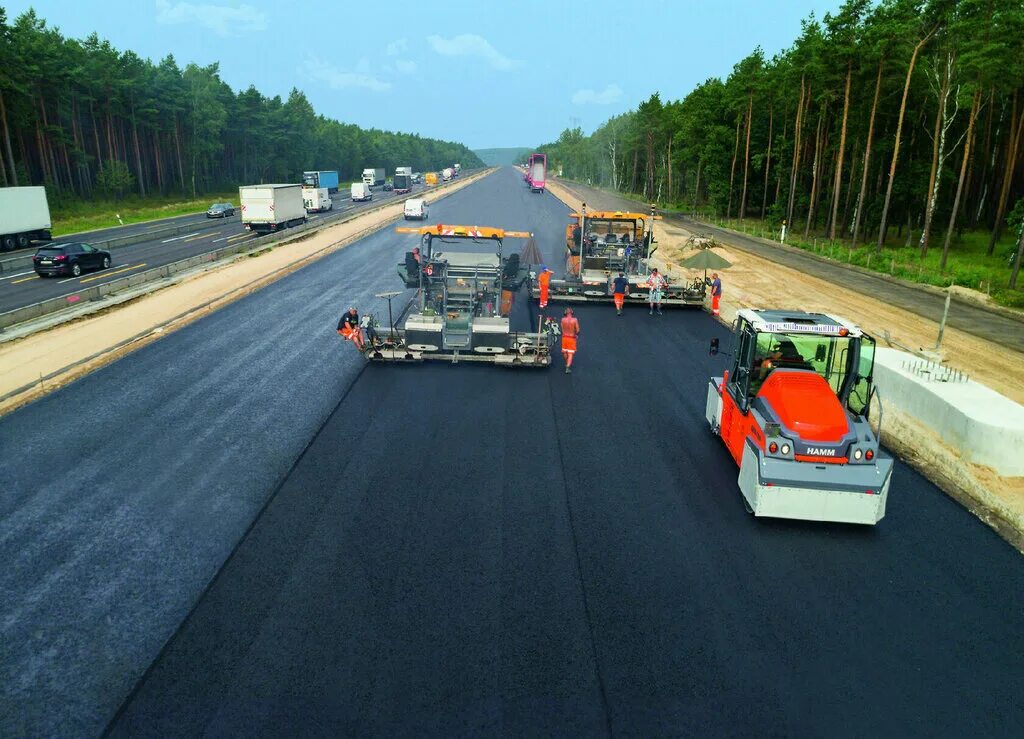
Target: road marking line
x,y
101,275
18,274
25,279
240,236
176,238
200,236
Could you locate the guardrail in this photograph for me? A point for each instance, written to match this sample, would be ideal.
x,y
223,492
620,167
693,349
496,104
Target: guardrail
x,y
52,305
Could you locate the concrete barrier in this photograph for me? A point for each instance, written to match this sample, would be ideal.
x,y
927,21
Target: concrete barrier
x,y
986,428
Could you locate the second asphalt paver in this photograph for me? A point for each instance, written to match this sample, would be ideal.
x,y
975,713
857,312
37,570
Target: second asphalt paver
x,y
465,549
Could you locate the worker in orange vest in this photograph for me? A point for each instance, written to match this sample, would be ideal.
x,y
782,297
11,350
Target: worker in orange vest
x,y
544,280
348,328
570,332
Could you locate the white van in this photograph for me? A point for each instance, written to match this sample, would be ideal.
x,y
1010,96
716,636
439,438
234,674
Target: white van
x,y
416,208
317,199
361,191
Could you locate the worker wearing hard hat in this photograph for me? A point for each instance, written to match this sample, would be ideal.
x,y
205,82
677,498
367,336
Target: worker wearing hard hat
x,y
544,281
348,328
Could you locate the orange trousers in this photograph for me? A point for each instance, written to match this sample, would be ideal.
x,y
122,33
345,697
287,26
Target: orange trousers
x,y
714,304
620,298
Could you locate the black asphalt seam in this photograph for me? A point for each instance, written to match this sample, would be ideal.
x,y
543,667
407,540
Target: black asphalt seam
x,y
227,561
605,706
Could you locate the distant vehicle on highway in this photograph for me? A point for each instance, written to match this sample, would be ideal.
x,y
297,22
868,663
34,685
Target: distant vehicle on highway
x,y
431,178
417,177
69,259
388,187
374,176
361,191
321,178
416,208
447,174
267,208
317,199
24,217
220,210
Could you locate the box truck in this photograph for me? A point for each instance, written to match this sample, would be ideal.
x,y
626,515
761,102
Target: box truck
x,y
24,217
537,172
316,199
403,170
374,176
361,191
403,183
321,178
267,208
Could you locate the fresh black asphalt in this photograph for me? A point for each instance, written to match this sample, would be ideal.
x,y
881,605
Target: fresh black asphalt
x,y
295,543
971,319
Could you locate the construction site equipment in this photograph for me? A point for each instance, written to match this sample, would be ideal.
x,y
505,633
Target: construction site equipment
x,y
793,413
462,307
537,172
601,244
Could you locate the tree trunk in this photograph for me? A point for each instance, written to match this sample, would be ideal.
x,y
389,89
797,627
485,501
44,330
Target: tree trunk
x,y
896,148
814,175
1018,258
696,188
845,221
732,170
138,152
960,182
859,210
669,164
979,198
177,147
837,187
1008,170
7,142
746,155
796,152
768,160
96,136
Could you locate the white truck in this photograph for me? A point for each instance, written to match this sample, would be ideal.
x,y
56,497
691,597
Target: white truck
x,y
458,169
374,176
24,217
317,199
361,191
447,174
267,208
403,170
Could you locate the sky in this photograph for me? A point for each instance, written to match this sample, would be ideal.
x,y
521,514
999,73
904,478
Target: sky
x,y
487,73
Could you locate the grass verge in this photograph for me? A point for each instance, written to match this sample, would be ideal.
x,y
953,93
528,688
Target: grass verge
x,y
88,215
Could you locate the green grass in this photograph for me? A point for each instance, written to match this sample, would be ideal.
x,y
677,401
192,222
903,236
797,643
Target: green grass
x,y
968,264
87,215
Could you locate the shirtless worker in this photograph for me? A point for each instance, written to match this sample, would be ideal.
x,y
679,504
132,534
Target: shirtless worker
x,y
620,289
348,328
570,332
544,280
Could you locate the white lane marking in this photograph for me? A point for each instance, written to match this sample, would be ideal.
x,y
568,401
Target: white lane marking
x,y
19,274
176,238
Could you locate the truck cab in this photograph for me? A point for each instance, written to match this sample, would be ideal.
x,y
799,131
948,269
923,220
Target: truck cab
x,y
793,412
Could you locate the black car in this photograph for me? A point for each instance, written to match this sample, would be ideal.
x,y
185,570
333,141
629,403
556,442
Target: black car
x,y
220,210
388,187
69,259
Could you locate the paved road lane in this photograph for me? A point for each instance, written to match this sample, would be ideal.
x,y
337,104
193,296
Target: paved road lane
x,y
470,550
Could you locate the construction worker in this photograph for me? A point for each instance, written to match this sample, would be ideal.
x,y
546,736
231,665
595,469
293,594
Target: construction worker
x,y
348,328
620,289
716,292
416,255
570,332
656,283
544,280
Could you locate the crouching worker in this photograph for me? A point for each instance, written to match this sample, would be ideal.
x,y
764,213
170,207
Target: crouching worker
x,y
348,327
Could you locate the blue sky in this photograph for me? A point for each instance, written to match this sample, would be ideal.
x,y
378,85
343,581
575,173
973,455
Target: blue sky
x,y
486,73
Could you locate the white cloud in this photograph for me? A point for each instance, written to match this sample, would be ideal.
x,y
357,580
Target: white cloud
x,y
397,47
341,79
405,67
224,20
607,96
469,44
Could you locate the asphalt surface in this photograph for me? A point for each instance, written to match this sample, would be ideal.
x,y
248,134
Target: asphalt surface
x,y
26,287
294,542
968,318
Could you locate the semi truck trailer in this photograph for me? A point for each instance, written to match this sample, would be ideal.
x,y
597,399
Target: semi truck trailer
x,y
267,208
374,176
403,183
24,217
321,178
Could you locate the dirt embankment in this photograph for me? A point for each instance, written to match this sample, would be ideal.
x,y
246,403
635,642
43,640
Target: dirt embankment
x,y
44,361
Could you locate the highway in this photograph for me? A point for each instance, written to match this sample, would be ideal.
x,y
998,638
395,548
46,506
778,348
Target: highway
x,y
242,528
970,319
26,287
